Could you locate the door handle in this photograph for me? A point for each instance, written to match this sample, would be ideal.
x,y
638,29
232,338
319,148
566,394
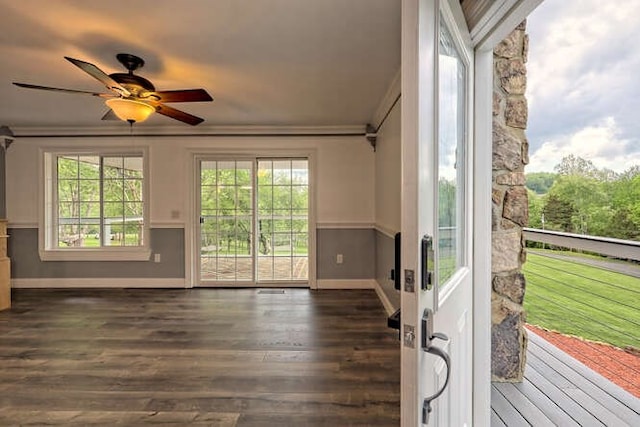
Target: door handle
x,y
427,345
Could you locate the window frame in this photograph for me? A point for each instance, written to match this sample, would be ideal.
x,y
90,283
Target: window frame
x,y
47,230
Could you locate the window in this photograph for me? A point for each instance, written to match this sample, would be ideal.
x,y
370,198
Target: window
x,y
95,203
452,75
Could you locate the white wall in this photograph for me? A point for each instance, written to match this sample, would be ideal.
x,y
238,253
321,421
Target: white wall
x,y
388,174
344,171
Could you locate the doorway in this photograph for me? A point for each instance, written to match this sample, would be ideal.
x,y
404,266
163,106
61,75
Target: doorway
x,y
253,222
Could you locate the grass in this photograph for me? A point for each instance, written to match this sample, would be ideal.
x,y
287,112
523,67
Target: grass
x,y
584,301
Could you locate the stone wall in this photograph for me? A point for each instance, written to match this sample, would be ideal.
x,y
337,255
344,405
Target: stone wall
x,y
510,207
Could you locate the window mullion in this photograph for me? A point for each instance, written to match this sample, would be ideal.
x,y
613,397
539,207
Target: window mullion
x,y
101,199
55,204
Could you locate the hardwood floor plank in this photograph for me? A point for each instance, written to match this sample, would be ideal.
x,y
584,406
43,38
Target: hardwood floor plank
x,y
198,357
104,418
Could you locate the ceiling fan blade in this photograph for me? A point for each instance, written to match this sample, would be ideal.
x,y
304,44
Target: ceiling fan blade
x,y
187,118
57,89
187,95
100,75
110,115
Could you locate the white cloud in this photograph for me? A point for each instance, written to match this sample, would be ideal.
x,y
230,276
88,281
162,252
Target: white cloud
x,y
601,143
583,90
567,36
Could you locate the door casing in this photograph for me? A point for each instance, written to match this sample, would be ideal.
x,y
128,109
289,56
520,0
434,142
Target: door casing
x,y
495,23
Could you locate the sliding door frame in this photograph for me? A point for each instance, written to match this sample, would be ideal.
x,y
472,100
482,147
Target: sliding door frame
x,y
192,213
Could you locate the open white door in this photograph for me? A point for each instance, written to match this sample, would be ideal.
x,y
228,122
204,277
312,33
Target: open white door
x,y
437,212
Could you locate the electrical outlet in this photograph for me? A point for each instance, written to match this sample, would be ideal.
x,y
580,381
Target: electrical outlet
x,y
156,257
339,259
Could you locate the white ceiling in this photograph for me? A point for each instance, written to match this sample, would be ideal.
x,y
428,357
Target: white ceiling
x,y
266,62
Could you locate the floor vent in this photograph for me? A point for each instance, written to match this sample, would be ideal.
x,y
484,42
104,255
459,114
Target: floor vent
x,y
271,291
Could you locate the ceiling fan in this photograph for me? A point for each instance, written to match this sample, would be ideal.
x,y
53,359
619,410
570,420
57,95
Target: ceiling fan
x,y
133,98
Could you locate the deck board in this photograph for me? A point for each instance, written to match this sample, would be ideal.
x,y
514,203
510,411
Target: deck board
x,y
565,390
570,412
506,411
621,395
526,407
592,384
496,421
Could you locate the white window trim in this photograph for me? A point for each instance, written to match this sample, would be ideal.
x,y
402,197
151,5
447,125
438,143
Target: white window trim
x,y
45,208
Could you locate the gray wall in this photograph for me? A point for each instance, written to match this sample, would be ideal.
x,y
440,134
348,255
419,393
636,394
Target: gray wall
x,y
26,263
357,247
385,258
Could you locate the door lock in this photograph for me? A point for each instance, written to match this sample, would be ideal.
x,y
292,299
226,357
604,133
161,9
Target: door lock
x,y
409,336
409,281
426,262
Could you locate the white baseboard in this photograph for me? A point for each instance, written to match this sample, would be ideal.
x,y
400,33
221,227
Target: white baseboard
x,y
346,283
384,299
99,283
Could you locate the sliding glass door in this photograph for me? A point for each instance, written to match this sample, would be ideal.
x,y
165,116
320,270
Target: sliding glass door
x,y
226,221
283,220
254,221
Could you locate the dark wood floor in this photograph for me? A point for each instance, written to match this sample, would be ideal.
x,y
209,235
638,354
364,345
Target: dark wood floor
x,y
198,357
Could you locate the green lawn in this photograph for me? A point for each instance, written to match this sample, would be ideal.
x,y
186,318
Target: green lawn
x,y
583,301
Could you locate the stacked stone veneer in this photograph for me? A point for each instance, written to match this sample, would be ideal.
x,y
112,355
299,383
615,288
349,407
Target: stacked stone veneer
x,y
510,207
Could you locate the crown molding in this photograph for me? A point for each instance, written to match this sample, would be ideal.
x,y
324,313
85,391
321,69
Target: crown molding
x,y
388,100
183,131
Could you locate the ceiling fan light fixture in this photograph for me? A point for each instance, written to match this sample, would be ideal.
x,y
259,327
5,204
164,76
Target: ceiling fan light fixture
x,y
130,110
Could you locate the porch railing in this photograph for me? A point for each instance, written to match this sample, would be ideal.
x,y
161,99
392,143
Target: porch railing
x,y
586,296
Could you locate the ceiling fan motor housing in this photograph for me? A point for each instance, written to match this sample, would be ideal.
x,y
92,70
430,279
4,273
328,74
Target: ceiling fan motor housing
x,y
132,82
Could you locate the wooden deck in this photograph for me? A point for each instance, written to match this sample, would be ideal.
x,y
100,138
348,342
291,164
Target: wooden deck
x,y
559,390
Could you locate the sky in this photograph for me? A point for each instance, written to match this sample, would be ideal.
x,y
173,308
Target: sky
x,y
583,85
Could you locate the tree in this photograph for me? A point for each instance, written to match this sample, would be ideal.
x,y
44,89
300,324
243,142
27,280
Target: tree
x,y
94,189
540,182
575,165
558,214
536,206
227,190
588,200
446,203
622,226
626,204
